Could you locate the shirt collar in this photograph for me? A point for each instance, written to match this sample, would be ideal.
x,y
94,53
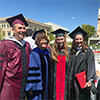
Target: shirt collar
x,y
78,48
22,43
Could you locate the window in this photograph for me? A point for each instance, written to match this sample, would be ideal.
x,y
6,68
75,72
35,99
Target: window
x,y
98,30
31,27
9,33
4,26
8,26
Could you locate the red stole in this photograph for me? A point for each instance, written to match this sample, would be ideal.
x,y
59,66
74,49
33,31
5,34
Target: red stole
x,y
60,77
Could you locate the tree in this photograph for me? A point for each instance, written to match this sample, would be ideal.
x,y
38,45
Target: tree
x,y
51,36
88,29
34,29
2,33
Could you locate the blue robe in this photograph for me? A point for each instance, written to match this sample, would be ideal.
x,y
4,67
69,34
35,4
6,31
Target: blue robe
x,y
39,73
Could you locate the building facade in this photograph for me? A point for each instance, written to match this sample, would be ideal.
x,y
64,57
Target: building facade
x,y
32,24
55,26
94,40
98,25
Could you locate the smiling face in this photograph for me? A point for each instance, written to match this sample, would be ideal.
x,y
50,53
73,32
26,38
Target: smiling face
x,y
19,31
43,44
60,41
78,40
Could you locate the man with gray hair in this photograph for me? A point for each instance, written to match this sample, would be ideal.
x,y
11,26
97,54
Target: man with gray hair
x,y
14,61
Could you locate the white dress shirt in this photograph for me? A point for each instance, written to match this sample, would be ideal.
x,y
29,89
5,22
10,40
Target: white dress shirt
x,y
31,42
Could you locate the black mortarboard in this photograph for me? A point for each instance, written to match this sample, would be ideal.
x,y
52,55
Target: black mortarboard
x,y
38,32
78,30
60,32
18,19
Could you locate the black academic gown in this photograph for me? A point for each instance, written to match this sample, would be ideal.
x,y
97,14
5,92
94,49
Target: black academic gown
x,y
81,60
65,74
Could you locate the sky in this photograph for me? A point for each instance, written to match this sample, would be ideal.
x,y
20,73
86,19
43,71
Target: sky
x,y
66,13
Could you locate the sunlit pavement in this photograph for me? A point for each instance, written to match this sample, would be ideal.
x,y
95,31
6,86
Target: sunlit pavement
x,y
97,67
97,55
97,59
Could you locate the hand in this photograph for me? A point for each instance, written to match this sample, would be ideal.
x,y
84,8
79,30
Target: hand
x,y
30,92
88,84
98,73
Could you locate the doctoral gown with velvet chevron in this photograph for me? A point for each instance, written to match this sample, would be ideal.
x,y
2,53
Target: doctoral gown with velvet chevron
x,y
40,75
14,63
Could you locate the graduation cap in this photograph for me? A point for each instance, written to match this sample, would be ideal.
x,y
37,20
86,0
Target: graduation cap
x,y
78,30
38,32
18,19
60,32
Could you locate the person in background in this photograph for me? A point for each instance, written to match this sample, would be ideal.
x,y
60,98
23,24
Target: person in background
x,y
98,88
98,79
14,61
90,46
95,47
39,81
29,34
84,61
61,66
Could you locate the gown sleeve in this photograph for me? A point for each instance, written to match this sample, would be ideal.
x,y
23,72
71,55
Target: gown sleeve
x,y
90,61
3,62
34,65
91,75
70,73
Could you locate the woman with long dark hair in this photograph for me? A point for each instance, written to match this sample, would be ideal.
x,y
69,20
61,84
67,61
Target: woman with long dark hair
x,y
84,61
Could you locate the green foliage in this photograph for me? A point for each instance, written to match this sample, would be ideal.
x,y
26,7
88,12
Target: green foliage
x,y
34,29
89,29
94,45
2,33
98,46
51,45
69,43
51,36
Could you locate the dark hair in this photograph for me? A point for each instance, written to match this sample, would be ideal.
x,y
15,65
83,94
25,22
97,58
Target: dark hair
x,y
29,32
39,37
73,50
